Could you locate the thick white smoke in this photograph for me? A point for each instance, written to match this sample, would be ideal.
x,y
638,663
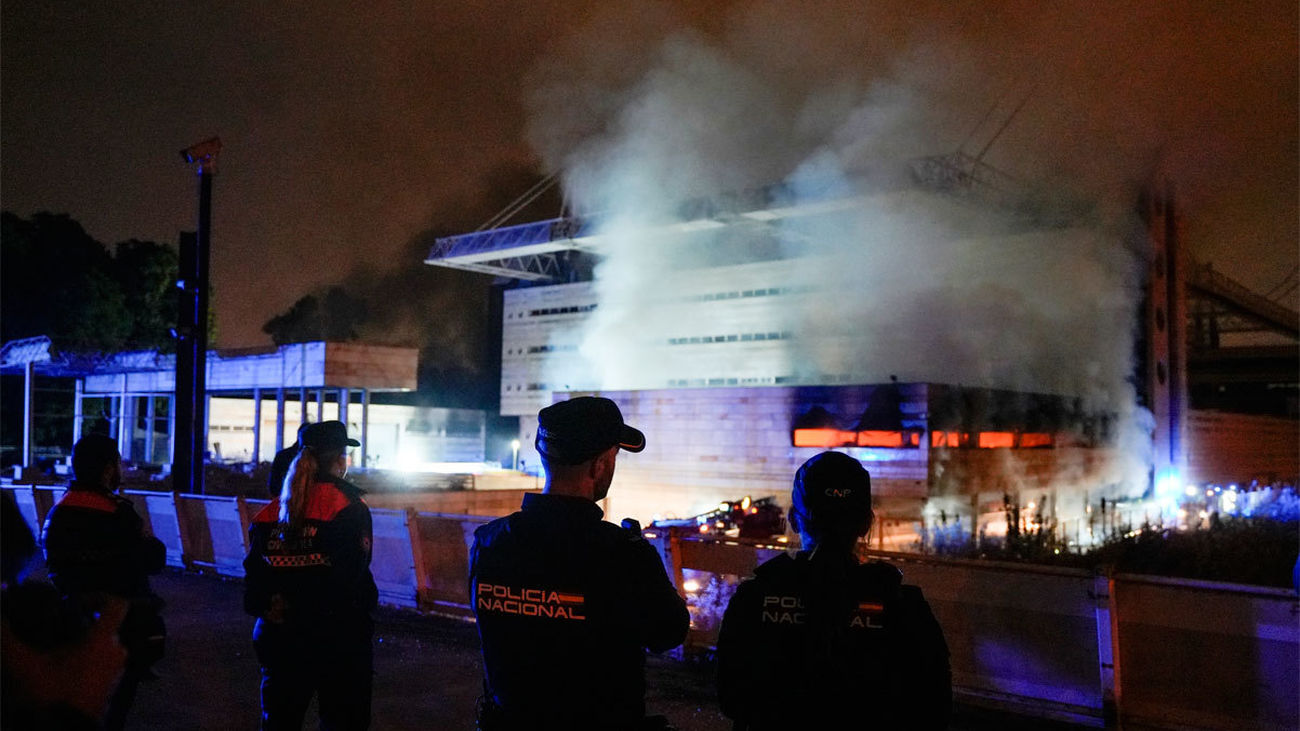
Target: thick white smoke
x,y
924,286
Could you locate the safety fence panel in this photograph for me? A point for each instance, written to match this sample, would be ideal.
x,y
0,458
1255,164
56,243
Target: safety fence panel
x,y
46,498
195,533
158,509
1032,639
1019,635
25,498
722,557
1205,654
391,559
714,569
253,506
442,544
228,529
215,530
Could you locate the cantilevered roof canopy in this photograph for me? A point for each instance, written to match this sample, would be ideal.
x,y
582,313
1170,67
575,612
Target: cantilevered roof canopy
x,y
300,365
532,251
39,353
537,251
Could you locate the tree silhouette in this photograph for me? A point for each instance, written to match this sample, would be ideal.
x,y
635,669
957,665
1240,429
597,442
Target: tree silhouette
x,y
335,315
57,280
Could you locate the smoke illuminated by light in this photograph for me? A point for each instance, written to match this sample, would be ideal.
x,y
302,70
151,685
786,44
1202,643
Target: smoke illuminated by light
x,y
886,277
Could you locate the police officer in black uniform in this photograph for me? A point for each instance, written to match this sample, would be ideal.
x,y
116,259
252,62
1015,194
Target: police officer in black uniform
x,y
566,603
819,640
308,582
96,552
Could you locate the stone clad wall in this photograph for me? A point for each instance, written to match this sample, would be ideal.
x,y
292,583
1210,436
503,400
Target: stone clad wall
x,y
1236,448
707,445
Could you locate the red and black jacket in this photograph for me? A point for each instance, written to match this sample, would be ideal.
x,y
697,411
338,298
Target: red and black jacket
x,y
95,543
321,568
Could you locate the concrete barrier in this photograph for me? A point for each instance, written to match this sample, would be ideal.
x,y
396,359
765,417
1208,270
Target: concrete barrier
x,y
1205,654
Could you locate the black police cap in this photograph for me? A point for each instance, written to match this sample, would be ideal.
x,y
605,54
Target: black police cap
x,y
832,483
572,432
327,436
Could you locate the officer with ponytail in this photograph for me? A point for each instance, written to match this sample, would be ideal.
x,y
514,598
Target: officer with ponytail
x,y
308,583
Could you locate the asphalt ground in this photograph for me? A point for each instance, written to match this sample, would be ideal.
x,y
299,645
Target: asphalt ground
x,y
427,671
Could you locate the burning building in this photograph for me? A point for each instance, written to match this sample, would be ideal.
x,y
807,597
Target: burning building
x,y
947,352
1031,340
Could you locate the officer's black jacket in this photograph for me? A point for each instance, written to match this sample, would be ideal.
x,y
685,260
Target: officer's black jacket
x,y
810,641
322,569
566,606
95,543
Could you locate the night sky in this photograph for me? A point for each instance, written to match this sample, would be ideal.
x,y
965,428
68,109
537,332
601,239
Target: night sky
x,y
351,129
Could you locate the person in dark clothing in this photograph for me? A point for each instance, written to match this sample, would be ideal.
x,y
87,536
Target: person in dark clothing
x,y
96,549
58,668
280,464
567,603
818,638
308,582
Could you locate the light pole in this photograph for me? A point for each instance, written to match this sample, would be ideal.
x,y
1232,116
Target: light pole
x,y
514,446
192,329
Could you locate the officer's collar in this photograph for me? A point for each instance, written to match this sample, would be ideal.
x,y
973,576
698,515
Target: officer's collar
x,y
341,483
569,504
826,558
80,486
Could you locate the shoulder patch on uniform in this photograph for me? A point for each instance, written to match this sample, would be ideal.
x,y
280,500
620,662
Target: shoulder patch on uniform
x,y
88,500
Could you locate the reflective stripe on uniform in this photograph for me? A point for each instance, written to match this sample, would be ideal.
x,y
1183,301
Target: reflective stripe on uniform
x,y
297,560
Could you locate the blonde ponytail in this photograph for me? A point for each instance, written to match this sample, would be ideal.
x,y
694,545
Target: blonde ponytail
x,y
293,495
